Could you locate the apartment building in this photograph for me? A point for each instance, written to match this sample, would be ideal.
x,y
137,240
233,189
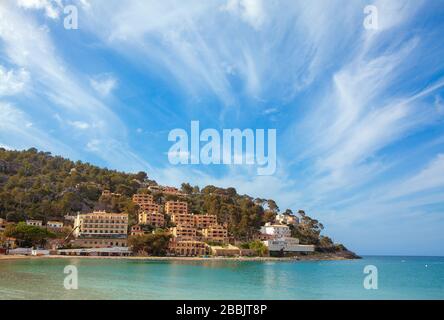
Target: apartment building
x,y
102,224
183,219
155,188
215,233
156,219
141,198
149,207
172,191
188,248
35,223
176,207
202,221
137,230
184,233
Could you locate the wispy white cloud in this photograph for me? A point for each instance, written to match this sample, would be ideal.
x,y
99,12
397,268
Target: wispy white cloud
x,y
52,8
104,84
251,11
118,155
176,41
16,126
12,81
29,46
79,125
430,177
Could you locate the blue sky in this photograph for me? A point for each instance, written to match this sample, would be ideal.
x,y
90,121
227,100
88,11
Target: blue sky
x,y
359,113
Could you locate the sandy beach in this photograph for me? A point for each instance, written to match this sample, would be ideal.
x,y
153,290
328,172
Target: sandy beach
x,y
316,257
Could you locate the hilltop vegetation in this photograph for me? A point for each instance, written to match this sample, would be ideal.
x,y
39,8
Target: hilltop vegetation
x,y
38,185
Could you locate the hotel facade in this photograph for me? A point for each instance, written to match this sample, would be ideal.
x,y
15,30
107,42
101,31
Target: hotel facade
x,y
101,229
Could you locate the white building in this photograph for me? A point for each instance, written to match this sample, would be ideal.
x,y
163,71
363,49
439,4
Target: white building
x,y
69,217
287,245
54,224
276,230
35,223
39,252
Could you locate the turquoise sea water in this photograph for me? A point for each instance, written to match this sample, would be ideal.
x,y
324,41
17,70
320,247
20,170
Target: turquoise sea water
x,y
398,278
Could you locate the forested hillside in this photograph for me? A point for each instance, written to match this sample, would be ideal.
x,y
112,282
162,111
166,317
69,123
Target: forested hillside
x,y
39,185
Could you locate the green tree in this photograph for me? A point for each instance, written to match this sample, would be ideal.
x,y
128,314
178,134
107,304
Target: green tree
x,y
308,230
29,236
186,188
259,248
272,206
155,244
288,212
269,216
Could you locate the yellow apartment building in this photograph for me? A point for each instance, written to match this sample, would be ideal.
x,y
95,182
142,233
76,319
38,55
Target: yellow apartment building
x,y
172,191
141,198
149,207
202,221
152,218
183,219
184,232
216,233
176,207
137,230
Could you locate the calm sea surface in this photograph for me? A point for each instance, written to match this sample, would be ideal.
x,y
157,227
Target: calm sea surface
x,y
398,278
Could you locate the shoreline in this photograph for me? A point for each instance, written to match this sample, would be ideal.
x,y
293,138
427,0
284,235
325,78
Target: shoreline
x,y
320,257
